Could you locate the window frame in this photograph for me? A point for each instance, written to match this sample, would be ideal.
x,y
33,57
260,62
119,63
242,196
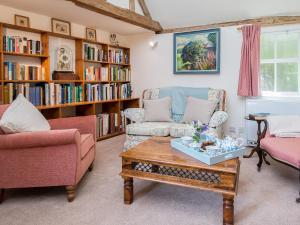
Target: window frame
x,y
275,62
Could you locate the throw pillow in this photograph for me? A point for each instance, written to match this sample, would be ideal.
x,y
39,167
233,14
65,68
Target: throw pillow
x,y
22,116
198,109
158,110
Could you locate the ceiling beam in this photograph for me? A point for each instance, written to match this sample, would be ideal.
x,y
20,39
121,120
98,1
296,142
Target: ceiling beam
x,y
125,15
263,21
144,8
132,5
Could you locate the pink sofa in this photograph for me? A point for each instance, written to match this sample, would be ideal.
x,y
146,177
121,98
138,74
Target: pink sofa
x,y
59,157
284,150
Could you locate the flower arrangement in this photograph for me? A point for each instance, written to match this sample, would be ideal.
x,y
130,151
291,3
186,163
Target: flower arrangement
x,y
199,131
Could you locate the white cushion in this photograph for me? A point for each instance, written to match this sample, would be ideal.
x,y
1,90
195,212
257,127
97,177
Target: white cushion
x,y
158,110
22,116
198,109
161,129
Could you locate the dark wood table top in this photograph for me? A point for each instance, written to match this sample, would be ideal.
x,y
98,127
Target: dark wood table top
x,y
159,150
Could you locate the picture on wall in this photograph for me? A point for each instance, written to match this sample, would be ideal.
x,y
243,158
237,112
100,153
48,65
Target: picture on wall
x,y
22,21
61,26
91,34
197,52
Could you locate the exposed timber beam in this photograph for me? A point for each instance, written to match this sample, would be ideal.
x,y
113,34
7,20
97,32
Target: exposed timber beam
x,y
108,9
263,21
144,8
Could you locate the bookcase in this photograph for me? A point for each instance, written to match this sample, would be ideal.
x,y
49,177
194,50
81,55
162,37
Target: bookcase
x,y
103,87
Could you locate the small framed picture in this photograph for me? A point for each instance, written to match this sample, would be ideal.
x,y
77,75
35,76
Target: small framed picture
x,y
61,26
91,34
22,21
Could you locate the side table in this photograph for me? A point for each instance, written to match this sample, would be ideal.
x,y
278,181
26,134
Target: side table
x,y
260,134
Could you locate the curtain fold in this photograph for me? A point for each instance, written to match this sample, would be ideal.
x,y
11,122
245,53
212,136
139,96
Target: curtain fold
x,y
249,79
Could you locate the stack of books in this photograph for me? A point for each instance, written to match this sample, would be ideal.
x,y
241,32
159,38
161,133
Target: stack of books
x,y
21,45
118,56
119,74
107,123
16,71
94,53
34,93
93,73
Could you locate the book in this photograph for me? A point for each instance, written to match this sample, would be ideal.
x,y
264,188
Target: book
x,y
94,52
118,73
19,44
17,71
106,123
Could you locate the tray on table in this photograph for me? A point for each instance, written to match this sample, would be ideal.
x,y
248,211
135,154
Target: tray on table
x,y
203,156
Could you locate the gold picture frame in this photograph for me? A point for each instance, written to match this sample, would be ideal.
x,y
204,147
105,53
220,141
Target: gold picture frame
x,y
91,34
22,21
61,26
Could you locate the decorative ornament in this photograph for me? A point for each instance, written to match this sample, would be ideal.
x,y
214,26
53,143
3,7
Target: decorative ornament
x,y
64,59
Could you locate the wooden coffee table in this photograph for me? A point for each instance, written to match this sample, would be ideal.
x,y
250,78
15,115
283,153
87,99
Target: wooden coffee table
x,y
156,160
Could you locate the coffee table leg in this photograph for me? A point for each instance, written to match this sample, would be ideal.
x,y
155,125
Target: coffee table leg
x,y
128,190
228,210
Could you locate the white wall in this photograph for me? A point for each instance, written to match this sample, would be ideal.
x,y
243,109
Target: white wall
x,y
154,68
42,22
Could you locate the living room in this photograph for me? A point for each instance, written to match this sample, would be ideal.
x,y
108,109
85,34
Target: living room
x,y
149,112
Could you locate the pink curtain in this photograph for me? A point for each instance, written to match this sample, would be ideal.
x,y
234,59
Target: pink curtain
x,y
250,62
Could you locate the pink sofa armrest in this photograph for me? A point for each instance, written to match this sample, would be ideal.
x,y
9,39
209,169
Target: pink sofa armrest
x,y
85,124
39,139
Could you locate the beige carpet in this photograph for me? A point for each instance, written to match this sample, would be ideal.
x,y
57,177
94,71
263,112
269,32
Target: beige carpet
x,y
265,198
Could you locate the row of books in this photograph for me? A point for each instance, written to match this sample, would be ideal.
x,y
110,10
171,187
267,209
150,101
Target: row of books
x,y
99,92
17,71
21,45
93,73
118,56
106,123
119,74
38,94
94,53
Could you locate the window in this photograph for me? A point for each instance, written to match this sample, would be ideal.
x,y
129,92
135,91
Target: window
x,y
280,64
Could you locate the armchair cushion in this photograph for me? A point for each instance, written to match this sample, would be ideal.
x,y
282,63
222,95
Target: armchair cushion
x,y
149,129
87,142
284,149
22,116
136,115
218,118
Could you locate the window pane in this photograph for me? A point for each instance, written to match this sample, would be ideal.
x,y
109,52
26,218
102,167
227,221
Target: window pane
x,y
267,76
267,47
287,45
287,77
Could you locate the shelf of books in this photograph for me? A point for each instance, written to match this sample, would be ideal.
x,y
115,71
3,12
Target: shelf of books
x,y
103,87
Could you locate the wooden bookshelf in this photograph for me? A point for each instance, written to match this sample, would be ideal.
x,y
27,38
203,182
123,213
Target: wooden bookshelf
x,y
81,108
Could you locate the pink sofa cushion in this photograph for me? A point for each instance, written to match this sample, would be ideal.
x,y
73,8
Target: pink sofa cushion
x,y
284,149
87,142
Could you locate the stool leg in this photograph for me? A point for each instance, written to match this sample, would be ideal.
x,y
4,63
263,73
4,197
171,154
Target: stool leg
x,y
1,195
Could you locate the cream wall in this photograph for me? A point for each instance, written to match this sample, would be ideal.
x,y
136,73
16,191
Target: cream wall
x,y
42,22
154,68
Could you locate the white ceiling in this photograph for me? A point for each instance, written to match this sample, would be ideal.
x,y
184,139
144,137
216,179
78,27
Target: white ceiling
x,y
182,13
170,13
69,11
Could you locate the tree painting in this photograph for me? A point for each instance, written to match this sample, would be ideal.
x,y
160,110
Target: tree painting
x,y
197,52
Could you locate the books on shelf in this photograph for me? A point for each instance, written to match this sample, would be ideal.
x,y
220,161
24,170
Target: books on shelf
x,y
118,73
107,123
118,56
19,44
94,73
123,121
34,93
94,52
102,92
62,93
17,71
43,94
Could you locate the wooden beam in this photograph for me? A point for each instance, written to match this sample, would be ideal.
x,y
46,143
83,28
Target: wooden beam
x,y
144,8
132,5
263,21
125,15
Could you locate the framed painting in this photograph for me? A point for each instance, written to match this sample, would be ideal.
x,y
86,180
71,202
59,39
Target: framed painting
x,y
90,34
197,52
22,21
61,26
